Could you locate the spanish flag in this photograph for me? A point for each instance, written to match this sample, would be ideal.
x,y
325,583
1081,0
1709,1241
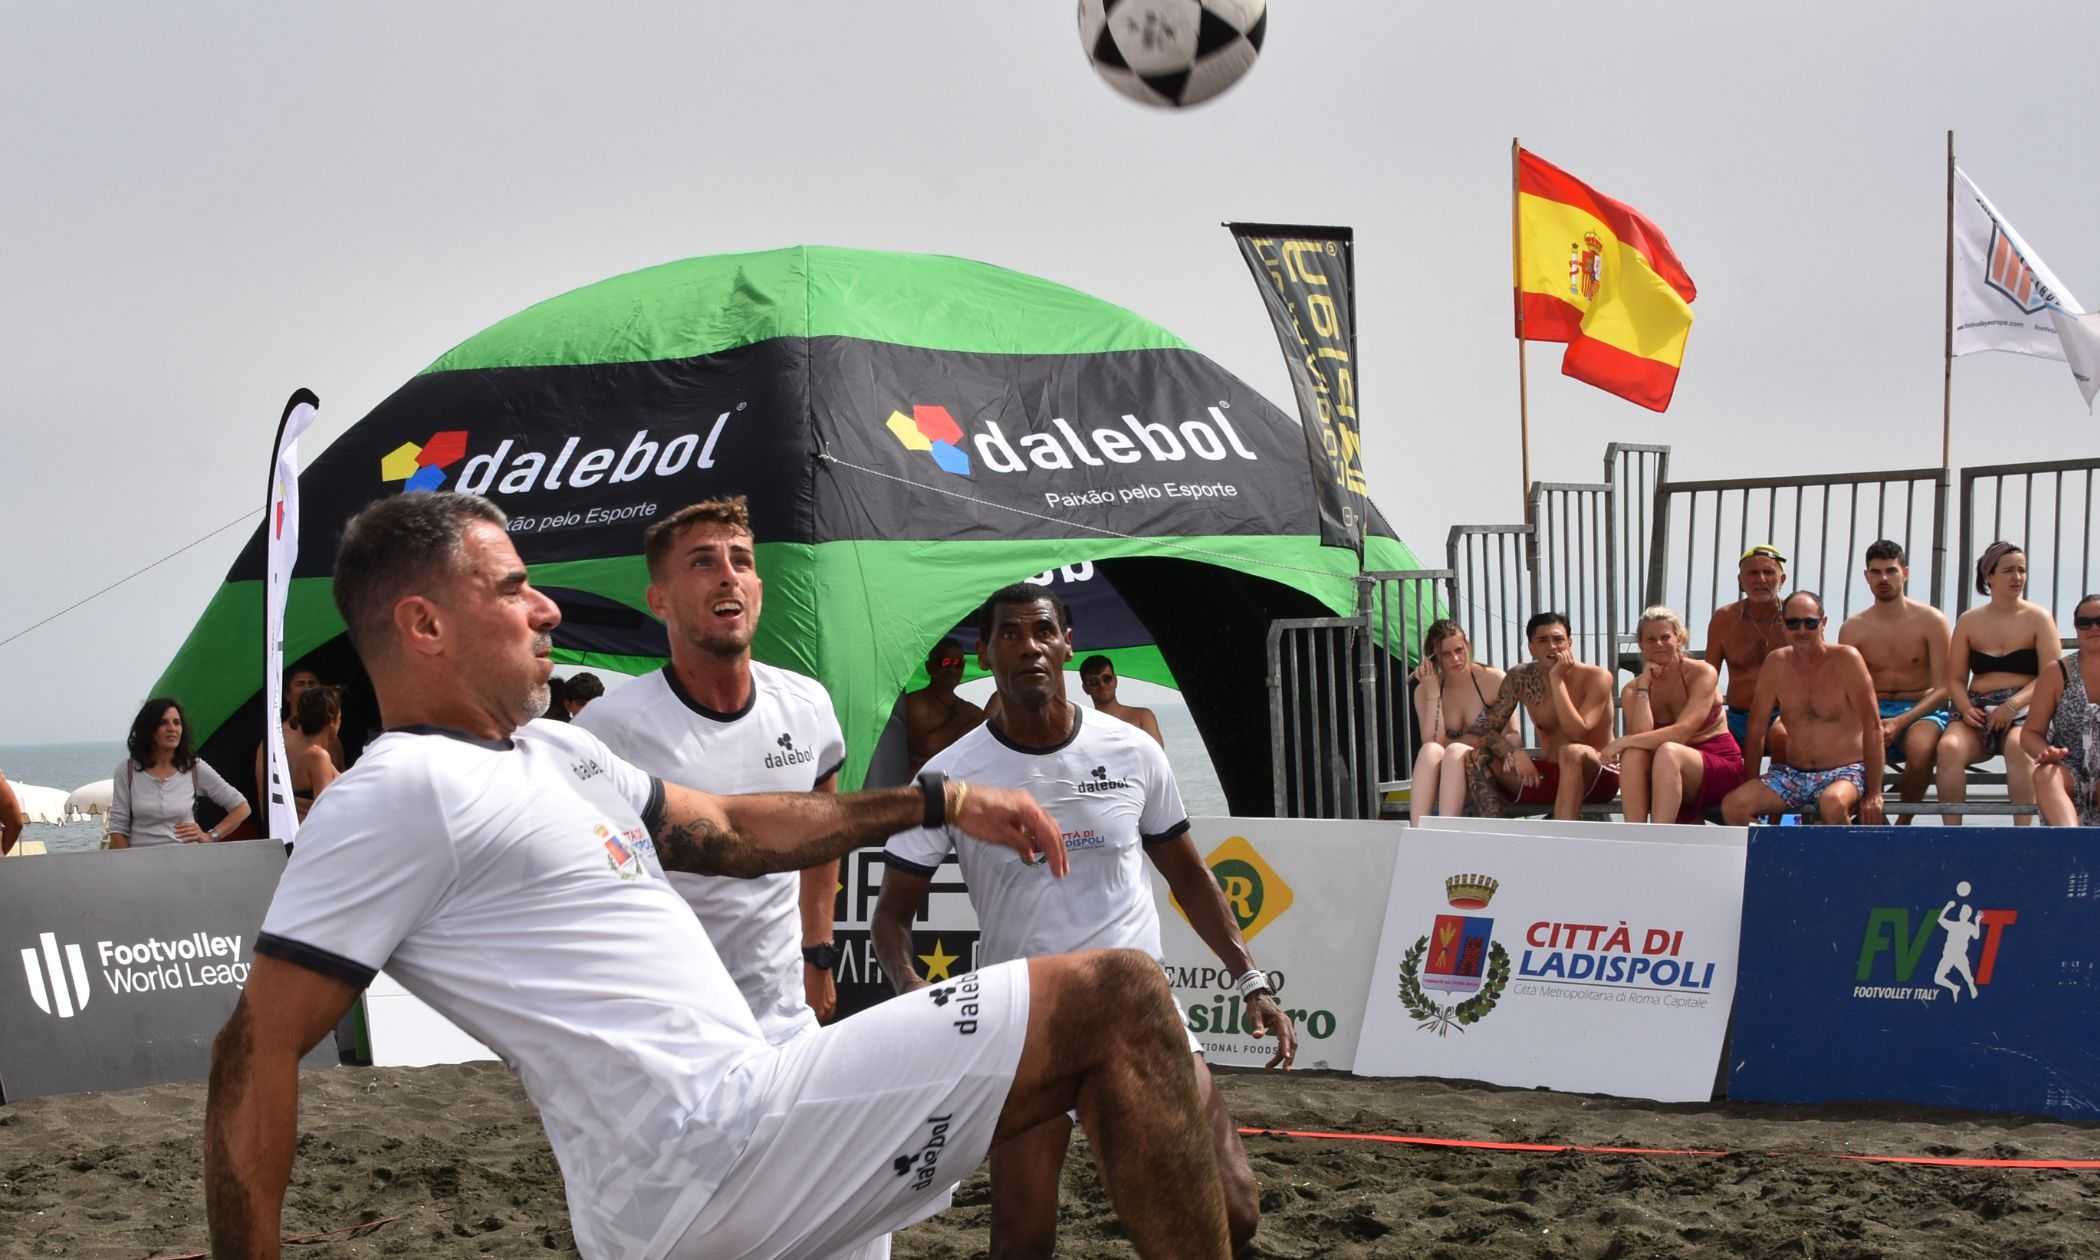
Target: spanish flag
x,y
1598,275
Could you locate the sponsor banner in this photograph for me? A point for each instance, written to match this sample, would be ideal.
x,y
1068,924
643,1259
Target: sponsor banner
x,y
1307,895
1636,833
1307,277
1960,973
944,939
1556,959
118,968
2003,291
280,816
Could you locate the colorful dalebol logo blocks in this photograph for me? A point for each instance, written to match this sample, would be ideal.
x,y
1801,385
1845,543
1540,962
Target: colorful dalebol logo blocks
x,y
423,467
934,431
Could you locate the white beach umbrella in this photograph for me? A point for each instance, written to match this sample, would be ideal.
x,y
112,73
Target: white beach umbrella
x,y
90,800
40,804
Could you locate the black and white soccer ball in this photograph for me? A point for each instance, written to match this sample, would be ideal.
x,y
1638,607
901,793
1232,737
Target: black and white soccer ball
x,y
1172,53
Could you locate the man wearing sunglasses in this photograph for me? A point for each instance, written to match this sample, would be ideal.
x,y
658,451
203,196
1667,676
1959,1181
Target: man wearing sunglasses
x,y
934,716
1097,678
1742,634
1833,759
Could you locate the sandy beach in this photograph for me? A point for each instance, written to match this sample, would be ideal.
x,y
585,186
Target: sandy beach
x,y
450,1162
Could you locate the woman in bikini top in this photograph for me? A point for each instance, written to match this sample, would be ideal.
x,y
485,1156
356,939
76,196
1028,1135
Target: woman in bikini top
x,y
316,718
1442,713
2000,648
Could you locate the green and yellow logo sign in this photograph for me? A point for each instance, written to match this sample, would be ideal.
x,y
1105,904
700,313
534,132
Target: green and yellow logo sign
x,y
1254,893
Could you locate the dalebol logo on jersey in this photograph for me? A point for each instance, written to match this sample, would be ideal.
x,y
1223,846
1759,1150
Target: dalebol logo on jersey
x,y
922,1163
789,755
513,468
154,965
962,995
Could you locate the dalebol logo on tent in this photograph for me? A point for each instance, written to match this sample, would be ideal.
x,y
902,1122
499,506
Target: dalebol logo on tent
x,y
1065,447
514,468
1896,939
153,965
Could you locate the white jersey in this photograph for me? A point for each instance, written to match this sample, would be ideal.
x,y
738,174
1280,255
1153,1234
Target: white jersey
x,y
512,885
1112,793
786,739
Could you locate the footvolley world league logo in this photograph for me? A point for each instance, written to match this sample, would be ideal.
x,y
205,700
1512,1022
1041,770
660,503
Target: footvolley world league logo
x,y
1459,955
423,467
1897,939
934,431
56,998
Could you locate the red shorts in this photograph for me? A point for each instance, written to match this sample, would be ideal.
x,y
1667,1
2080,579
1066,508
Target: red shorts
x,y
1603,788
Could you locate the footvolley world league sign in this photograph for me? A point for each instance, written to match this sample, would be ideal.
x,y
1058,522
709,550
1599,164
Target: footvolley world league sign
x,y
1960,973
1556,960
118,968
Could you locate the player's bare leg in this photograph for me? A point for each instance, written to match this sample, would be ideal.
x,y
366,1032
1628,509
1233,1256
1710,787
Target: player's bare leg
x,y
1235,1175
1103,1033
1026,1171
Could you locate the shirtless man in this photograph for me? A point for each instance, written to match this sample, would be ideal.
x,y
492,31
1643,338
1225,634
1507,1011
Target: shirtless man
x,y
1742,634
934,716
1834,754
1570,706
1097,678
1905,646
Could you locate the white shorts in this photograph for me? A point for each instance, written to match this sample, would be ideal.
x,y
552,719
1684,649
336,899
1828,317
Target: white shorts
x,y
867,1125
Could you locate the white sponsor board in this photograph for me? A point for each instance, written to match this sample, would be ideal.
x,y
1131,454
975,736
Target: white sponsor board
x,y
1650,833
1308,896
1557,958
406,1032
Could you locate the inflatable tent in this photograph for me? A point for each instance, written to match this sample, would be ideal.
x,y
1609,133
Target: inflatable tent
x,y
913,432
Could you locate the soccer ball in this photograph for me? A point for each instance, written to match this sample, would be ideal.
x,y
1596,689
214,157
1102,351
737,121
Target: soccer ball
x,y
1172,53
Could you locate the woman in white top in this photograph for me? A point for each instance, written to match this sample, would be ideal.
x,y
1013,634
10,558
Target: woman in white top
x,y
155,789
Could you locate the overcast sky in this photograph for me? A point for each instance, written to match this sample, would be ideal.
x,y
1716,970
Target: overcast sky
x,y
210,204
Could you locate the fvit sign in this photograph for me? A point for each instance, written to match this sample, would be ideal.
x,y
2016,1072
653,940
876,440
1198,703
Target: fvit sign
x,y
129,963
1963,972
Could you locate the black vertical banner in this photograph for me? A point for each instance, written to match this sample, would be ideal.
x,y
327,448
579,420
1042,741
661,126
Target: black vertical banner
x,y
1307,277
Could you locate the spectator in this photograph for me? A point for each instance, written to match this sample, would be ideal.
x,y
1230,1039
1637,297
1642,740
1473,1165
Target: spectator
x,y
1452,690
154,790
2062,733
2000,649
1742,634
1905,646
557,700
10,818
1833,757
582,689
1569,704
1678,758
296,683
318,717
934,716
1097,678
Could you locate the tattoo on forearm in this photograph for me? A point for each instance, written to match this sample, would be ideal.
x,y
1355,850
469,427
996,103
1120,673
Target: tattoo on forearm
x,y
227,1206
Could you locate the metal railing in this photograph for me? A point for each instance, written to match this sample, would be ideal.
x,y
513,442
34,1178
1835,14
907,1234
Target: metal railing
x,y
1814,519
1319,677
1574,573
1399,605
1987,493
1491,571
1633,471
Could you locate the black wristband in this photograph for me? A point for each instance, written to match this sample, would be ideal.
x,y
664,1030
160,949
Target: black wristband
x,y
823,957
933,786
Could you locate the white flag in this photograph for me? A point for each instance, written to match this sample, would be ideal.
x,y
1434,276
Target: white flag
x,y
2081,342
281,528
2003,292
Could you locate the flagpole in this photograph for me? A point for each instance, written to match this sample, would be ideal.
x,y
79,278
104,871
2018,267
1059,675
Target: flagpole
x,y
1947,326
1516,253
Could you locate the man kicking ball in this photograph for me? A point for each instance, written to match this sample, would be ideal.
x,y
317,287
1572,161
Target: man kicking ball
x,y
1109,787
510,873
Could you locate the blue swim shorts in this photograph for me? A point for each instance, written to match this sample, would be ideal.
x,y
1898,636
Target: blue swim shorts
x,y
1939,717
1801,788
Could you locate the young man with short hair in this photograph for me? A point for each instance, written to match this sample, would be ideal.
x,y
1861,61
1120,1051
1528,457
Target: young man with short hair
x,y
1570,706
510,873
1904,643
934,716
1114,797
1097,678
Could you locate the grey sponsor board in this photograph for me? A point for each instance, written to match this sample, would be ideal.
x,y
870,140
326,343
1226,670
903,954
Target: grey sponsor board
x,y
117,968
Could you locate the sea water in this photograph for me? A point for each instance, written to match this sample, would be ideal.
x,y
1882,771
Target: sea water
x,y
65,767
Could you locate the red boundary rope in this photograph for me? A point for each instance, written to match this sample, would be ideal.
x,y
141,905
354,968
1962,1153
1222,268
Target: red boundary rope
x,y
1552,1148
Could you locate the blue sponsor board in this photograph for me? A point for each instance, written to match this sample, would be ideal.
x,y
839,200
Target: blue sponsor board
x,y
1940,967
